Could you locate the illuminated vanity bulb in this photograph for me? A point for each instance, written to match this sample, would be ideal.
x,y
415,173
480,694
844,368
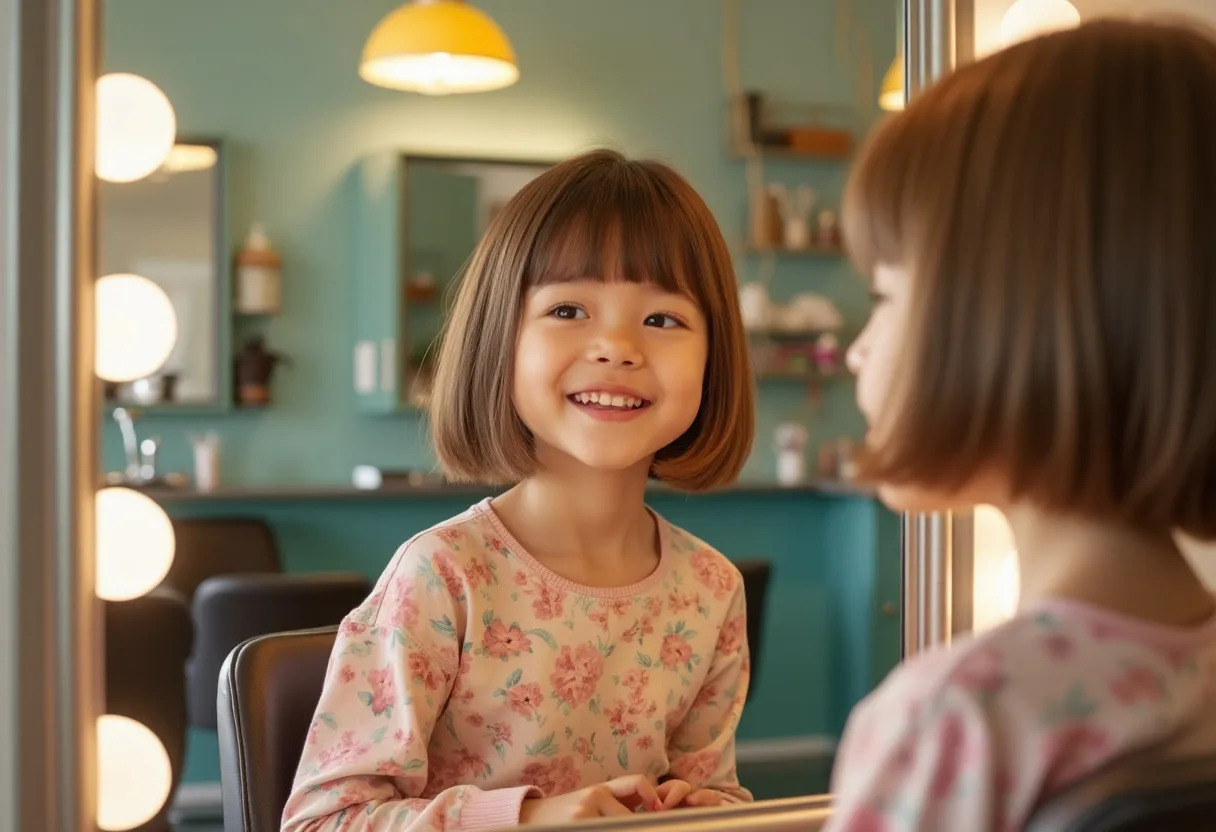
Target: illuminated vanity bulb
x,y
134,774
997,583
1026,19
135,543
136,327
136,127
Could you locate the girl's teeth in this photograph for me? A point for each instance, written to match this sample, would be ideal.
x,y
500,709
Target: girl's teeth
x,y
608,400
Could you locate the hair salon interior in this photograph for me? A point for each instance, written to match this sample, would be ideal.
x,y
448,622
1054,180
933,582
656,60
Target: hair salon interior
x,y
283,207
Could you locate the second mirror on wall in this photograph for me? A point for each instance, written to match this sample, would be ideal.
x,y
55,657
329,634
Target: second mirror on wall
x,y
169,228
416,221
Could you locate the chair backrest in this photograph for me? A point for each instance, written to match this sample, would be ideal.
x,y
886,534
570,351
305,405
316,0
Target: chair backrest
x,y
268,693
210,546
147,643
756,577
1141,793
229,609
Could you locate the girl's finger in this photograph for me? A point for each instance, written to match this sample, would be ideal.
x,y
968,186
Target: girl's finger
x,y
608,806
635,785
676,792
704,797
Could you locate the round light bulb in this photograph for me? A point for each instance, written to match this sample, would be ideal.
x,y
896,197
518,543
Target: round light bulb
x,y
134,774
135,544
996,585
136,327
136,127
1027,19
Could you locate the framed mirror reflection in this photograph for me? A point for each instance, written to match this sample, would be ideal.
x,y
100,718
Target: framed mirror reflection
x,y
169,227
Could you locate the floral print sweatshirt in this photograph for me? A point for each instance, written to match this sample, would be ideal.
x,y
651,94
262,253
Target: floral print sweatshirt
x,y
474,677
976,735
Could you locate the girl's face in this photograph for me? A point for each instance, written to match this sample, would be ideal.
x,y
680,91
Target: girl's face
x,y
873,358
608,372
873,355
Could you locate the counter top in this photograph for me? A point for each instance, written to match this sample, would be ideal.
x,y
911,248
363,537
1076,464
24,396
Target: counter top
x,y
834,488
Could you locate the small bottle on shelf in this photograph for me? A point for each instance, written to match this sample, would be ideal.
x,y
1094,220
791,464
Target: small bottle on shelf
x,y
259,281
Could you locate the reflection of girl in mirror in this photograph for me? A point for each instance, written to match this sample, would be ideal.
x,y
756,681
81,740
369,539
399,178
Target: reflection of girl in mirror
x,y
1038,226
560,651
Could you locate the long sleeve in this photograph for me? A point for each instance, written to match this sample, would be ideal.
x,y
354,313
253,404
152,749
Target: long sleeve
x,y
365,764
702,747
931,766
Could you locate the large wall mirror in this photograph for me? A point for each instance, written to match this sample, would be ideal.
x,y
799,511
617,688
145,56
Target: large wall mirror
x,y
168,228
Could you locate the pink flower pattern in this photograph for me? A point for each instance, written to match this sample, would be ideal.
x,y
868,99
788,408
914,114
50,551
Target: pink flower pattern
x,y
383,694
675,651
714,574
470,670
979,734
577,673
503,642
526,699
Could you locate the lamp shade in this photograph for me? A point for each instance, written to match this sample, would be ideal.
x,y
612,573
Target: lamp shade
x,y
1026,19
891,97
438,47
136,127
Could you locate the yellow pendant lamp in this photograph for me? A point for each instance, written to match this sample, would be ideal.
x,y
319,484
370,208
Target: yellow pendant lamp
x,y
438,47
891,96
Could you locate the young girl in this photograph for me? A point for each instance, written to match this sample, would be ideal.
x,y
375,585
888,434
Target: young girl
x,y
1039,230
560,651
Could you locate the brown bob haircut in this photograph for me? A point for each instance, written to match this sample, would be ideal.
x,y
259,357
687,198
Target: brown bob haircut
x,y
1055,206
583,218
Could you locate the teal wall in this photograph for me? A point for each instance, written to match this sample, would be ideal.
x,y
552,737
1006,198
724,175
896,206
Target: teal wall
x,y
276,80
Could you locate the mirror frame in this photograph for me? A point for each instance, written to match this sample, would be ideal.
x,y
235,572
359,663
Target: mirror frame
x,y
51,204
222,310
792,814
407,371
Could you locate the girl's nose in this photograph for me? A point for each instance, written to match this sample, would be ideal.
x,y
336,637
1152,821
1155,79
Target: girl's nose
x,y
855,357
618,348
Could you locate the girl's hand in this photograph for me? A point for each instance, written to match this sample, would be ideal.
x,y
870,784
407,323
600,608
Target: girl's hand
x,y
616,797
676,793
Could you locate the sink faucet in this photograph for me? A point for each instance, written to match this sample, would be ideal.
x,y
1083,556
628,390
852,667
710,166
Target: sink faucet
x,y
130,444
141,457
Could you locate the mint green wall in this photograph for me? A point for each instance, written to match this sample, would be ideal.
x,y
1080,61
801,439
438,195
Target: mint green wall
x,y
276,79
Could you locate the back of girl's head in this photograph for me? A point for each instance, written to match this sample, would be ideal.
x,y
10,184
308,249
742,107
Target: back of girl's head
x,y
596,216
1055,207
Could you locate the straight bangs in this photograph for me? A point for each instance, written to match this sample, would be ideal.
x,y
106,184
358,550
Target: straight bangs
x,y
618,224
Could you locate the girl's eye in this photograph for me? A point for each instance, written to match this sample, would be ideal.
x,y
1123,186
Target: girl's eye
x,y
567,312
877,298
662,320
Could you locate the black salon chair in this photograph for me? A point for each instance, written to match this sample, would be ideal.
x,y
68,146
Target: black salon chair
x,y
147,642
756,578
210,546
1143,793
268,692
229,609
